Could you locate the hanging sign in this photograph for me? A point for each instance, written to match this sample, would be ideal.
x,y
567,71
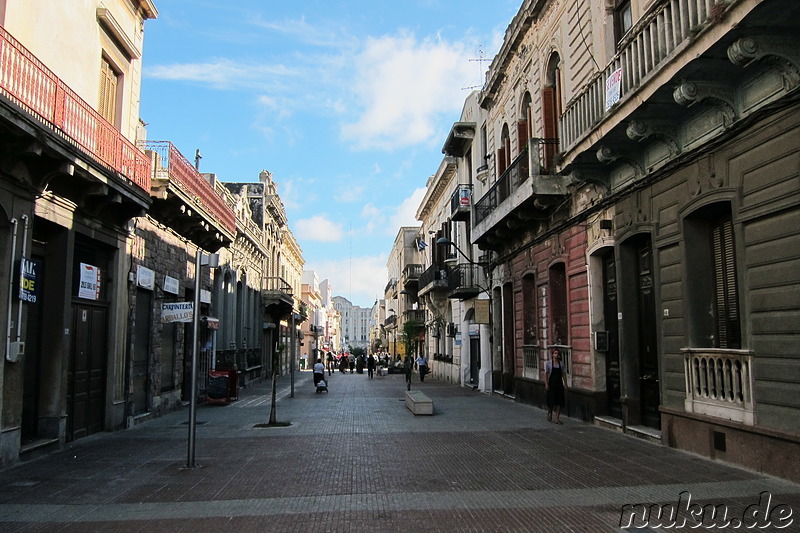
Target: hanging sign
x,y
89,282
613,88
177,312
481,311
29,279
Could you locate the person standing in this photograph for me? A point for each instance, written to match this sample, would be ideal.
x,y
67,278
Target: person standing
x,y
329,359
422,366
556,386
370,365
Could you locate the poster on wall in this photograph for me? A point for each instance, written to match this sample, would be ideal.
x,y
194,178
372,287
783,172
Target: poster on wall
x,y
29,280
89,283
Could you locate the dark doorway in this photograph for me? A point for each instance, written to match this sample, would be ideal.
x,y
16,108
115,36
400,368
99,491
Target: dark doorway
x,y
648,347
611,322
33,363
474,360
87,371
140,367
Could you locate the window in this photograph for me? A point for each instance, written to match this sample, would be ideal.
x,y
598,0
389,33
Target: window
x,y
623,19
108,91
713,319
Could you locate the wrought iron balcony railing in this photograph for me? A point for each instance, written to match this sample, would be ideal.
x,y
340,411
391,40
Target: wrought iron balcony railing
x,y
465,281
181,172
652,43
29,83
434,278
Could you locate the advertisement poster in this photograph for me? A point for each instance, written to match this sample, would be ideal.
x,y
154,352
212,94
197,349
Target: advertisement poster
x,y
29,272
613,88
89,283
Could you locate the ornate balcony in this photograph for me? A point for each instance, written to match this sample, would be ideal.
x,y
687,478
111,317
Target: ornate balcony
x,y
411,274
520,192
465,281
63,144
277,298
186,201
719,383
417,315
434,279
461,203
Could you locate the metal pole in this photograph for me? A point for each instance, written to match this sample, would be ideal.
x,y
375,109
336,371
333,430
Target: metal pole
x,y
292,352
193,400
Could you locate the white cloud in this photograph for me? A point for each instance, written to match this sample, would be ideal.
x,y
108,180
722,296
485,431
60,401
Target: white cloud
x,y
403,85
406,213
350,194
359,279
223,73
318,228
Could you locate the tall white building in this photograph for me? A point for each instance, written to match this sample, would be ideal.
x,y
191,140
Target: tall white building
x,y
356,323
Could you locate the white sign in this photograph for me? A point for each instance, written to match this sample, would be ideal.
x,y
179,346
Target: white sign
x,y
89,284
205,296
613,88
171,285
145,278
177,312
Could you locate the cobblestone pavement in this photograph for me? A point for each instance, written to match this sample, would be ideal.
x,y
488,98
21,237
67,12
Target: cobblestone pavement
x,y
355,459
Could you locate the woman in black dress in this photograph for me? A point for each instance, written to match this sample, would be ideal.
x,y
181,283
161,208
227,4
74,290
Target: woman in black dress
x,y
556,386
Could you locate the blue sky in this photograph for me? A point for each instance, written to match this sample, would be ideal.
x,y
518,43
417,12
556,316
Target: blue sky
x,y
347,103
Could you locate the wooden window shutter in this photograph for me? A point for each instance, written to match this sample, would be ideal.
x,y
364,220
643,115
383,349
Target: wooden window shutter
x,y
549,112
108,92
522,135
501,161
729,333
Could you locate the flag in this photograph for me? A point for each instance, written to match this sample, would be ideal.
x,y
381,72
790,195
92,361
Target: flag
x,y
421,245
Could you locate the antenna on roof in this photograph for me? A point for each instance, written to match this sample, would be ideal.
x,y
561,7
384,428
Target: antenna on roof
x,y
480,59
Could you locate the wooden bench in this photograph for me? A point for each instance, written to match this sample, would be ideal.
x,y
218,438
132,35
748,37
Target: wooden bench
x,y
418,403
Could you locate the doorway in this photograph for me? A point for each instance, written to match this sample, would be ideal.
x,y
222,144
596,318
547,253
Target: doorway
x,y
86,378
648,348
611,321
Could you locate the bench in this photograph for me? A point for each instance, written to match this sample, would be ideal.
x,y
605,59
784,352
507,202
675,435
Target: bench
x,y
418,403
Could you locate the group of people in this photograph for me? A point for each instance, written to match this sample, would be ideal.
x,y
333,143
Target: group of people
x,y
555,376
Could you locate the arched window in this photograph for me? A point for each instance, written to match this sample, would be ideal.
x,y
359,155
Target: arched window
x,y
525,123
504,152
551,109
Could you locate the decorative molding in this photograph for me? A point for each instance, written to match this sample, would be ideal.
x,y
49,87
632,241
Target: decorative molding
x,y
719,96
779,51
667,133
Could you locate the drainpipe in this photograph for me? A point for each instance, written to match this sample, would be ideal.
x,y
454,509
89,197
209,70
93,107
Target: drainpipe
x,y
19,307
9,322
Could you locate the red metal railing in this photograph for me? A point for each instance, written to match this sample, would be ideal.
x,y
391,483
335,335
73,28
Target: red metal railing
x,y
28,82
182,172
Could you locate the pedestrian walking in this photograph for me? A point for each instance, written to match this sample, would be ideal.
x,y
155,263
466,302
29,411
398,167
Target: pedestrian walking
x,y
319,372
329,359
343,364
422,366
370,365
351,363
556,386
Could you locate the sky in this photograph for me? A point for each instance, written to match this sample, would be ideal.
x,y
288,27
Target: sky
x,y
347,103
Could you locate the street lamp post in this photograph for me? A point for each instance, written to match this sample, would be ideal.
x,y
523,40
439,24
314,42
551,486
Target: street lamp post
x,y
443,241
212,261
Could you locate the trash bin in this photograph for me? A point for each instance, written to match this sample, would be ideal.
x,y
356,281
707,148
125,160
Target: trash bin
x,y
218,390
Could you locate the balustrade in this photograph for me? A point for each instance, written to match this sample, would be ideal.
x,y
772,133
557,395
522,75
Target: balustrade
x,y
654,40
719,383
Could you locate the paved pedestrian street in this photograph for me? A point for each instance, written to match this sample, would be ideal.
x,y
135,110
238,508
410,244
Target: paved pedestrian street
x,y
356,459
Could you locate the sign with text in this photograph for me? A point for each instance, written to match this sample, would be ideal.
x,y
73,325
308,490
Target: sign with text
x,y
145,278
177,312
89,282
171,285
613,88
481,311
29,279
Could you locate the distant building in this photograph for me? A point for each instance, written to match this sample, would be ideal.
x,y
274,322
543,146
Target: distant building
x,y
356,323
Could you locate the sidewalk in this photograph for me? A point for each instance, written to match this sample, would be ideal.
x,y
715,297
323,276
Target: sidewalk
x,y
355,459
